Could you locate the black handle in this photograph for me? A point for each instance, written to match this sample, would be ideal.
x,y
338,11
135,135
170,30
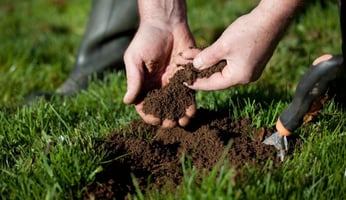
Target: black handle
x,y
313,84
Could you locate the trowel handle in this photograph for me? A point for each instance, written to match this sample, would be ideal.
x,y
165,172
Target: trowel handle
x,y
313,84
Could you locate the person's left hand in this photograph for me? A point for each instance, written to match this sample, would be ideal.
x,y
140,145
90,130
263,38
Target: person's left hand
x,y
150,62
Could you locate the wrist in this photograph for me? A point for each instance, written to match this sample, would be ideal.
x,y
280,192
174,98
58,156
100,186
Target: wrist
x,y
279,12
274,17
162,12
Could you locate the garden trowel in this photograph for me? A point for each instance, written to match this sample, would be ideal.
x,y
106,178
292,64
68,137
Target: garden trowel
x,y
313,85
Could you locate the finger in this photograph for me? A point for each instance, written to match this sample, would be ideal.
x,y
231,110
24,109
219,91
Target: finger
x,y
169,74
147,118
184,121
167,123
179,60
186,56
208,57
134,78
190,112
190,53
216,81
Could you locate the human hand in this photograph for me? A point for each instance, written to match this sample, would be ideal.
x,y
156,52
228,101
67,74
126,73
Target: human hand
x,y
150,61
246,45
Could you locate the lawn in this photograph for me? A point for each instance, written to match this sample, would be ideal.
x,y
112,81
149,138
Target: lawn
x,y
49,150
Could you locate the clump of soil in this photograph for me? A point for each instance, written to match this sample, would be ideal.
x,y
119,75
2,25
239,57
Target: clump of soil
x,y
172,100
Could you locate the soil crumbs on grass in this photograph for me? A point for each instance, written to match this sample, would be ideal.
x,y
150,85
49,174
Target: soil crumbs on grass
x,y
154,155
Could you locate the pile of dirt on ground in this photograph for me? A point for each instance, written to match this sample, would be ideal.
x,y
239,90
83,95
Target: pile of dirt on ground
x,y
154,154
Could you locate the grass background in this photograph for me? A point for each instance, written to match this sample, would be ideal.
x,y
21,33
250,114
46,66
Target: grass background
x,y
47,150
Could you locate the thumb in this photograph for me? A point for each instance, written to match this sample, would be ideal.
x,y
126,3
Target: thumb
x,y
134,80
207,57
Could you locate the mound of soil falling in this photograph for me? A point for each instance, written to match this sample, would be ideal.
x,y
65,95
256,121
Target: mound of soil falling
x,y
172,100
154,155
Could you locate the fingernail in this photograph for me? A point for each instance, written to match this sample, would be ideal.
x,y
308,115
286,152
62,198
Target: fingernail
x,y
186,84
127,99
197,62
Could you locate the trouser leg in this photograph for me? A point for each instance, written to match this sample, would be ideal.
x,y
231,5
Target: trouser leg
x,y
110,28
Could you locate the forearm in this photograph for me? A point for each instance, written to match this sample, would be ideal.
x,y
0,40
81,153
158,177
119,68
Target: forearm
x,y
163,12
277,15
271,19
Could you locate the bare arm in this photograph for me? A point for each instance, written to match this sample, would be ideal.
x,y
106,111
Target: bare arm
x,y
162,11
247,45
163,33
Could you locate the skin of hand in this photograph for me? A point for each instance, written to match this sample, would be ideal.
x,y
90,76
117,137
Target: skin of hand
x,y
150,58
246,45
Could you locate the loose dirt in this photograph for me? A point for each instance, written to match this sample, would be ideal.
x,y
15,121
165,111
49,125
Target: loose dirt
x,y
153,155
171,101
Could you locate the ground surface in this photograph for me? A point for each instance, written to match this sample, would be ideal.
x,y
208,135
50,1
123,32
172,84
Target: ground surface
x,y
155,154
48,151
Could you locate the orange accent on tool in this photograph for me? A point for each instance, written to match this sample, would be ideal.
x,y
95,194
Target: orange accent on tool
x,y
281,129
321,59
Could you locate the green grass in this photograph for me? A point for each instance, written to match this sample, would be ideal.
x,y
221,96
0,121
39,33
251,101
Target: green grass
x,y
47,151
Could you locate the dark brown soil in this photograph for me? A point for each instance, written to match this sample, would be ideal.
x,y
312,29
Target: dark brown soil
x,y
171,101
154,155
